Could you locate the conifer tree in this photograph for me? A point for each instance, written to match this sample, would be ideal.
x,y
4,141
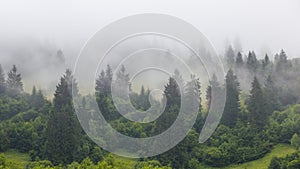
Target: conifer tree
x,y
213,85
230,56
173,100
14,81
2,80
231,108
282,61
256,106
239,60
192,93
271,96
100,86
251,61
266,61
63,130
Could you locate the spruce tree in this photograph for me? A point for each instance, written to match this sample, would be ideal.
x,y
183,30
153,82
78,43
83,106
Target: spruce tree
x,y
108,80
231,108
143,99
271,96
63,130
230,56
266,61
256,106
14,81
282,62
122,82
192,93
2,80
100,86
251,62
172,96
213,85
239,60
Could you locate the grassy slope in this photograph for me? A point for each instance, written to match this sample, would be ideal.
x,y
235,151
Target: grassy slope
x,y
280,150
19,160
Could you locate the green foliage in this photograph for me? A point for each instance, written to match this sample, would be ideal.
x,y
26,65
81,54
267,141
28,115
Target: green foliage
x,y
173,101
14,82
231,109
295,141
252,63
63,130
256,106
51,135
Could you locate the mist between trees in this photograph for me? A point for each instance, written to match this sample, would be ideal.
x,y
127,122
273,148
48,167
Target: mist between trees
x,y
261,110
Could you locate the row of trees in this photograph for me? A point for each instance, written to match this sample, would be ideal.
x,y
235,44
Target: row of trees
x,y
249,127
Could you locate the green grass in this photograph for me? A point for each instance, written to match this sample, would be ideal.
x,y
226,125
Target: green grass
x,y
124,163
19,160
280,150
16,159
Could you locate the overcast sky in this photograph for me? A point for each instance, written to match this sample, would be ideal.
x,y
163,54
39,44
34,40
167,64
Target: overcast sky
x,y
260,25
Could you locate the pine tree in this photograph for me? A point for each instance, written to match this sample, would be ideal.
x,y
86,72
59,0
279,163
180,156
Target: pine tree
x,y
14,81
122,82
108,80
2,80
173,100
143,99
230,56
103,83
282,61
239,60
63,130
213,85
192,93
231,108
256,106
271,96
100,85
251,62
266,61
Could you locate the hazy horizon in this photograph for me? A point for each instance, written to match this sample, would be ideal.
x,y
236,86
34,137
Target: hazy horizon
x,y
31,29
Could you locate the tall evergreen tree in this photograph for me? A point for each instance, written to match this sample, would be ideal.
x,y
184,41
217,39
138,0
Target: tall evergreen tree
x,y
108,80
231,108
100,85
230,56
122,82
256,106
14,81
172,96
266,61
192,93
282,61
2,80
239,60
143,99
103,83
63,130
251,61
271,96
213,85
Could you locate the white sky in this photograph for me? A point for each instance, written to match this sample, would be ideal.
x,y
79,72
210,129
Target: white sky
x,y
267,25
